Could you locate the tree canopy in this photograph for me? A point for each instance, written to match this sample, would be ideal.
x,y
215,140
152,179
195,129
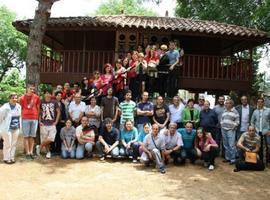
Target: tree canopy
x,y
12,44
129,7
250,13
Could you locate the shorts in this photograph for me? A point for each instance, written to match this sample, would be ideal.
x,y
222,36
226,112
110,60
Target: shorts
x,y
47,133
29,128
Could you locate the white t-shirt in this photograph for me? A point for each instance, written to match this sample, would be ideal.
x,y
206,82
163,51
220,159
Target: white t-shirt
x,y
76,109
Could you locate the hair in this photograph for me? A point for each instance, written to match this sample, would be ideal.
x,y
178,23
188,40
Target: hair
x,y
30,85
172,123
68,120
197,140
260,98
159,97
189,122
92,97
118,61
47,90
190,100
58,92
108,120
147,123
230,100
82,83
11,95
141,55
128,92
106,66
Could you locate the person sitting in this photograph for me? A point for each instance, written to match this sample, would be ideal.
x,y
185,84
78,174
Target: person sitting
x,y
206,148
188,136
129,138
86,137
108,140
68,137
146,130
248,147
154,149
173,144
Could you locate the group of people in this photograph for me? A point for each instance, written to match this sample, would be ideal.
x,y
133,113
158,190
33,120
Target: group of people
x,y
146,131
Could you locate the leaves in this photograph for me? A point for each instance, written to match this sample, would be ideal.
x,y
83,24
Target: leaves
x,y
130,7
12,44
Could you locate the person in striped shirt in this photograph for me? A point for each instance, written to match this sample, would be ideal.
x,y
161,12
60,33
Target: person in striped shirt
x,y
127,109
229,123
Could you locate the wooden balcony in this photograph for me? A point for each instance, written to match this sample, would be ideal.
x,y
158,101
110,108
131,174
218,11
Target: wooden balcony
x,y
199,72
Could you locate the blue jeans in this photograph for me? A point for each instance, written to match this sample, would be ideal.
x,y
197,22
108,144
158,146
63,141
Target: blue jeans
x,y
29,128
139,128
83,147
132,151
66,154
228,137
114,152
188,153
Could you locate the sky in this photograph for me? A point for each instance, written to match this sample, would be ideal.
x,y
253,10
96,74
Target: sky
x,y
65,8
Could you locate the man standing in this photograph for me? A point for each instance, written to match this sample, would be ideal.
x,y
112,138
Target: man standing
x,y
30,104
49,117
208,119
249,142
86,139
261,121
176,109
154,149
109,106
200,104
145,111
219,109
76,110
245,112
161,113
229,123
108,140
127,108
188,136
173,144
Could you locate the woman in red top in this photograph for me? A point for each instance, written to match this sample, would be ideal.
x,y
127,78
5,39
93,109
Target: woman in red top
x,y
132,82
206,147
107,78
96,84
120,80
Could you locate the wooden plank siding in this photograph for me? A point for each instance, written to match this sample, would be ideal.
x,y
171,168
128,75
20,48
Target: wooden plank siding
x,y
197,72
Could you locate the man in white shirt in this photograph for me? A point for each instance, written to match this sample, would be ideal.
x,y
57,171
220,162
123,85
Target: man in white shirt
x,y
176,109
76,110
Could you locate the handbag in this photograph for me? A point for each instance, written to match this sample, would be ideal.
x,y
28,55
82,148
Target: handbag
x,y
251,157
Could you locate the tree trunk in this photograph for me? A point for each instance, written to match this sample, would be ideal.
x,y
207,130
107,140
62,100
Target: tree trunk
x,y
37,31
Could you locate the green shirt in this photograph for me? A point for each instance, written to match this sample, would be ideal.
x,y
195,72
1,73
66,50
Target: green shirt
x,y
127,109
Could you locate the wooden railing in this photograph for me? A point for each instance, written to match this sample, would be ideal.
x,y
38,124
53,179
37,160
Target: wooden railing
x,y
194,66
82,62
216,67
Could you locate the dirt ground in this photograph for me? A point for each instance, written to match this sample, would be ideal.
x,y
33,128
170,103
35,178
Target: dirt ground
x,y
111,180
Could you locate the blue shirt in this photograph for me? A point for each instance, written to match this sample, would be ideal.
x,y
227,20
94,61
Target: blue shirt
x,y
173,55
208,119
147,106
188,138
128,136
141,136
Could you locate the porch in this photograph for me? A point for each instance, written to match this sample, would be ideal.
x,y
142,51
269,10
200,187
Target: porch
x,y
198,71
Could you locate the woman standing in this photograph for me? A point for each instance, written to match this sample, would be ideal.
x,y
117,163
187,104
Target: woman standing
x,y
107,78
85,90
93,112
10,124
120,80
206,147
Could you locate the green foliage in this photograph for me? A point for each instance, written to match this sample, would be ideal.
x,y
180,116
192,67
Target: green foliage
x,y
250,13
13,82
12,44
130,7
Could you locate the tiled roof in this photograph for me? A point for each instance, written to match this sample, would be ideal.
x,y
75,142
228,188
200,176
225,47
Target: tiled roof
x,y
163,23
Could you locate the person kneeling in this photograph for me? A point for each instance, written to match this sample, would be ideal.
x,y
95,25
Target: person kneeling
x,y
153,144
86,139
173,144
108,140
68,137
206,148
248,147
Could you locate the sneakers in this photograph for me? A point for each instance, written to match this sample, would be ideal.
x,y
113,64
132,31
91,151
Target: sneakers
x,y
162,170
38,150
211,167
102,158
134,161
48,155
28,157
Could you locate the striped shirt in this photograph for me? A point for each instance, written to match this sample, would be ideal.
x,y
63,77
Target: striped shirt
x,y
127,109
250,142
229,119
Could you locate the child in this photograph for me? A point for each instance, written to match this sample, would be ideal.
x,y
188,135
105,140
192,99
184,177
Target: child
x,y
68,136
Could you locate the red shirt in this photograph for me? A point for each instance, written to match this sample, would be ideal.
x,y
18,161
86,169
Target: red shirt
x,y
30,107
